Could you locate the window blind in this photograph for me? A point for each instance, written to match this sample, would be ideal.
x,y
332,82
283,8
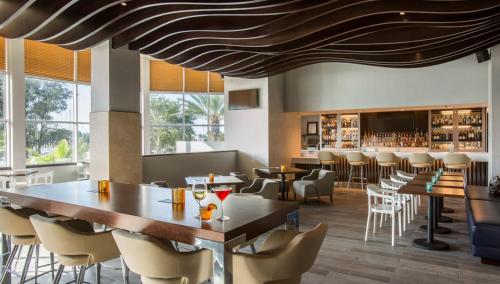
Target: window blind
x,y
48,60
2,54
83,66
216,82
196,81
165,77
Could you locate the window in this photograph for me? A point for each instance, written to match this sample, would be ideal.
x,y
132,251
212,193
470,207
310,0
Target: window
x,y
183,121
57,105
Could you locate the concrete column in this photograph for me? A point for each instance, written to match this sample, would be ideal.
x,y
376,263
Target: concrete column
x,y
146,125
15,81
115,120
494,113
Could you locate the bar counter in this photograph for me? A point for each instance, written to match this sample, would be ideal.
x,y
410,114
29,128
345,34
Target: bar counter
x,y
477,175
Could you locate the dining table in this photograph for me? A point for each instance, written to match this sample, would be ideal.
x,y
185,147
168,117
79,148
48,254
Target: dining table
x,y
282,172
142,209
432,211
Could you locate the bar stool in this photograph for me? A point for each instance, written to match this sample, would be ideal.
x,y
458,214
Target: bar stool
x,y
457,161
356,159
387,162
76,244
327,158
420,161
16,224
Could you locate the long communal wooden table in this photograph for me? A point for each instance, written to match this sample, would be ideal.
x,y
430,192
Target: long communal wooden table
x,y
144,209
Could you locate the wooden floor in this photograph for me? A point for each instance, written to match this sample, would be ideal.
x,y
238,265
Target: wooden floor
x,y
346,258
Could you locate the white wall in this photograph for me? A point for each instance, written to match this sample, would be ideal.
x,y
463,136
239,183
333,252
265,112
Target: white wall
x,y
173,168
247,130
343,86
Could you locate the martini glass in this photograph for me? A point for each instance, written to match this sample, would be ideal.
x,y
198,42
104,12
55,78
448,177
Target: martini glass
x,y
222,193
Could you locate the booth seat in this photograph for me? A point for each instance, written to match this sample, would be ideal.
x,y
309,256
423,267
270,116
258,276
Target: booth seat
x,y
483,217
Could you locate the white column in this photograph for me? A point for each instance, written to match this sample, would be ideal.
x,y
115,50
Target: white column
x,y
115,120
15,85
494,113
146,125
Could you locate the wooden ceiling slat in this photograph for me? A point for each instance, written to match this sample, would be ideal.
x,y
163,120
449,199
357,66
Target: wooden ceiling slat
x,y
261,38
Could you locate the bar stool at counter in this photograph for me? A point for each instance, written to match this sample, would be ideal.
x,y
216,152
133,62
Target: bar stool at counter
x,y
421,161
356,159
456,161
327,158
386,161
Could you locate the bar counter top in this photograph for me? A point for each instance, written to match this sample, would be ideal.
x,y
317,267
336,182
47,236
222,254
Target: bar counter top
x,y
310,156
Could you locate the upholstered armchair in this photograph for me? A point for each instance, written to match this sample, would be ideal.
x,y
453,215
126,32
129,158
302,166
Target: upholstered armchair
x,y
267,188
283,258
317,183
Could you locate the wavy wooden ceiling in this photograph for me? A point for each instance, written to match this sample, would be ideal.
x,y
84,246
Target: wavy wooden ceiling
x,y
264,37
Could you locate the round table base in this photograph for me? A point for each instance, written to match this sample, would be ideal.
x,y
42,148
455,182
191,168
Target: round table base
x,y
439,230
447,210
435,245
445,219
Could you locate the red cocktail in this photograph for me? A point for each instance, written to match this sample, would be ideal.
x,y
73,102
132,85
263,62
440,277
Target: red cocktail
x,y
222,193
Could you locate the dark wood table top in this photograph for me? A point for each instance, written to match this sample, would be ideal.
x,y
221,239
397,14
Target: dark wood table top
x,y
437,191
218,180
443,178
17,172
277,170
440,183
445,173
138,208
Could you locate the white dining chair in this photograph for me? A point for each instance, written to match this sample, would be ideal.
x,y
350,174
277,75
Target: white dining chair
x,y
382,201
405,200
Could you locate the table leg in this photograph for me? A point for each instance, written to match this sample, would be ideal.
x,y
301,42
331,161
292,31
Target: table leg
x,y
443,219
437,229
220,273
283,186
429,242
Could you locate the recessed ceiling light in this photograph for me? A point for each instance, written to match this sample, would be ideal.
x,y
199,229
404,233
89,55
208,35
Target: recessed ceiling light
x,y
123,3
402,13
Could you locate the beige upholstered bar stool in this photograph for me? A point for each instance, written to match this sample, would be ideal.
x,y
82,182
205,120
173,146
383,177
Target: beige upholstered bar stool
x,y
356,159
327,158
388,163
421,161
458,161
158,262
283,258
76,244
16,224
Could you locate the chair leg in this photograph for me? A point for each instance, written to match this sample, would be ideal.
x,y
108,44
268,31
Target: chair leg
x,y
393,225
8,265
27,264
59,273
374,221
404,215
399,222
382,215
350,176
331,198
52,265
380,169
81,275
98,273
37,256
125,271
367,224
362,187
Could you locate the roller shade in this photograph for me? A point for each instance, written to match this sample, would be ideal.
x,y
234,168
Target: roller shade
x,y
2,54
216,83
164,77
83,66
196,81
48,60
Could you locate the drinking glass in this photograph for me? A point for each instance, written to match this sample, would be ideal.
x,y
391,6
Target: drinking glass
x,y
222,193
434,179
428,186
199,188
